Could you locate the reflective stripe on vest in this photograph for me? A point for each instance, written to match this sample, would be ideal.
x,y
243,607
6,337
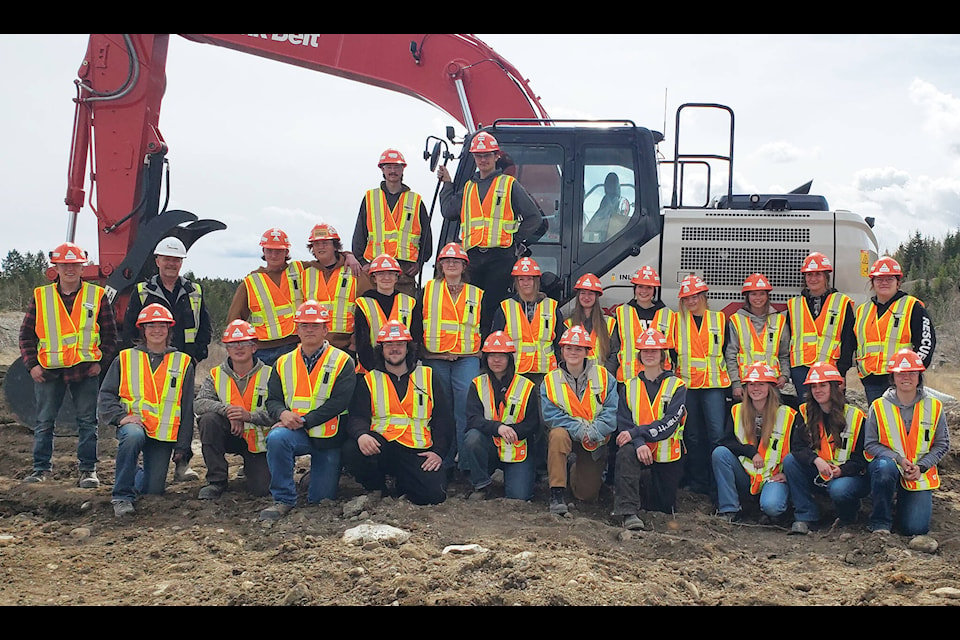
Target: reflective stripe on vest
x,y
405,421
65,339
645,411
511,411
395,232
830,451
915,444
879,339
490,223
154,395
338,294
816,340
588,407
195,298
591,353
252,399
402,310
534,339
303,392
629,327
700,351
448,326
272,306
758,348
773,450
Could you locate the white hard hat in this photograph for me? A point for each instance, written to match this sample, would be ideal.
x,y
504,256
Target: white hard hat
x,y
171,247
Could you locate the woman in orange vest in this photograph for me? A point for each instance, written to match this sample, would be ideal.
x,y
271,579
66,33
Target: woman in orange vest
x,y
381,303
834,462
906,436
148,395
757,332
588,313
636,316
758,435
650,434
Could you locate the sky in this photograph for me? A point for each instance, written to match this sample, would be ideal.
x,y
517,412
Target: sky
x,y
873,120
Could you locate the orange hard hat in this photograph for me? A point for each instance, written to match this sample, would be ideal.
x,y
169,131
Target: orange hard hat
x,y
384,262
312,312
274,238
394,331
483,142
577,336
814,262
239,331
760,372
822,372
323,231
651,339
691,286
392,156
756,282
68,253
905,360
453,250
589,282
155,312
886,266
499,342
646,275
526,267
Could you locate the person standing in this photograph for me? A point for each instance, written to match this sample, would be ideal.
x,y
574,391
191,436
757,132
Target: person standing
x,y
588,313
381,303
636,316
67,335
756,335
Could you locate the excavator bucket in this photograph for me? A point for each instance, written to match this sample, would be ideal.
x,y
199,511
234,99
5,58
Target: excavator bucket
x,y
20,401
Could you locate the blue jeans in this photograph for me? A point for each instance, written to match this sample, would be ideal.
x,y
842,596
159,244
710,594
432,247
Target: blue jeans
x,y
702,431
797,375
49,397
283,447
874,391
130,479
846,492
454,379
269,355
733,480
914,508
480,453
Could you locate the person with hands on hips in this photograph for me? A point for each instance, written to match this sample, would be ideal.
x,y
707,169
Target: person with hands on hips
x,y
757,334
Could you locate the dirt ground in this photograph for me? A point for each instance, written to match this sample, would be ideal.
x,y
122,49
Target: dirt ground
x,y
61,545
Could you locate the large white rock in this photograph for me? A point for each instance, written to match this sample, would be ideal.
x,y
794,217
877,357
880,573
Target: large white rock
x,y
382,533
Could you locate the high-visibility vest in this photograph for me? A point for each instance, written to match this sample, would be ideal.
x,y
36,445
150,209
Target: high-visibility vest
x,y
630,326
406,421
67,338
338,293
837,453
451,326
645,411
534,339
402,311
512,410
879,339
490,223
913,446
700,351
816,340
272,306
773,450
758,348
154,395
395,232
588,407
305,391
252,399
195,298
591,352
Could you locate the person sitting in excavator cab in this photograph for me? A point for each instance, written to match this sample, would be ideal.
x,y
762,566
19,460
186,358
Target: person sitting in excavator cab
x,y
611,216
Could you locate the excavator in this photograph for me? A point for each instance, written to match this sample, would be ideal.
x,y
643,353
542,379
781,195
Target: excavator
x,y
597,182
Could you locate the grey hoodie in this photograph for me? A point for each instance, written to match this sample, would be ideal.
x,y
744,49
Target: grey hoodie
x,y
941,434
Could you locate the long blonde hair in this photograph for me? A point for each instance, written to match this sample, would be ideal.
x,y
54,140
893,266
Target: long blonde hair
x,y
748,416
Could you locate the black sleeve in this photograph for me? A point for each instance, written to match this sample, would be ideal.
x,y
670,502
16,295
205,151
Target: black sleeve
x,y
800,445
360,233
730,441
922,334
475,415
848,341
442,429
275,403
204,332
450,202
857,464
129,332
426,237
361,331
359,418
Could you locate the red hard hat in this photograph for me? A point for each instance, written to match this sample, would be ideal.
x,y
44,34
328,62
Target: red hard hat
x,y
756,282
384,262
691,286
453,250
312,312
886,266
905,360
239,331
155,312
499,342
589,282
526,267
394,331
577,336
323,231
822,372
760,372
274,239
646,275
392,156
68,253
814,262
483,142
651,339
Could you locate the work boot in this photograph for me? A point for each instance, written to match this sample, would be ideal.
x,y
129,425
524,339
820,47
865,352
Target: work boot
x,y
182,471
558,506
122,508
88,480
37,476
277,511
632,522
483,493
729,516
210,492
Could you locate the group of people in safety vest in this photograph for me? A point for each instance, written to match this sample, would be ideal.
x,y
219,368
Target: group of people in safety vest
x,y
345,358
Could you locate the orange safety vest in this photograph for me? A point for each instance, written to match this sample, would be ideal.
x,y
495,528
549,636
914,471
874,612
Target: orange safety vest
x,y
700,351
395,232
405,421
402,311
591,354
630,326
534,338
305,391
154,395
588,407
67,338
879,339
645,411
773,450
838,453
816,340
338,293
892,433
253,398
758,348
451,326
490,223
512,410
272,306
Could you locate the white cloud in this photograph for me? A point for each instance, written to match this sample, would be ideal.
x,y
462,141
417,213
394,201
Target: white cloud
x,y
780,152
941,112
877,179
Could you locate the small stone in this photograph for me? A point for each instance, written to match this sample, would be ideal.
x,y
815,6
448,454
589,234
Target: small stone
x,y
80,533
626,534
691,589
356,506
86,506
463,549
373,545
356,572
246,585
947,592
6,539
161,588
296,595
845,536
926,544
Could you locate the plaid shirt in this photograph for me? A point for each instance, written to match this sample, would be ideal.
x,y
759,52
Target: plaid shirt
x,y
29,340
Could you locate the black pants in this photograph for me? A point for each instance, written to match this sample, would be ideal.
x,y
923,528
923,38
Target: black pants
x,y
649,487
403,463
216,441
490,271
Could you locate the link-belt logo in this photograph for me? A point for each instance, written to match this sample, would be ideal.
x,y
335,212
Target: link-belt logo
x,y
305,39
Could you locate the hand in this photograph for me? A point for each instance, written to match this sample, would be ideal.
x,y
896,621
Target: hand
x,y
350,262
94,369
623,438
823,467
644,455
179,454
758,461
369,446
411,269
238,413
37,373
236,427
443,175
910,470
290,420
432,461
835,471
781,381
507,433
738,393
778,477
131,418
